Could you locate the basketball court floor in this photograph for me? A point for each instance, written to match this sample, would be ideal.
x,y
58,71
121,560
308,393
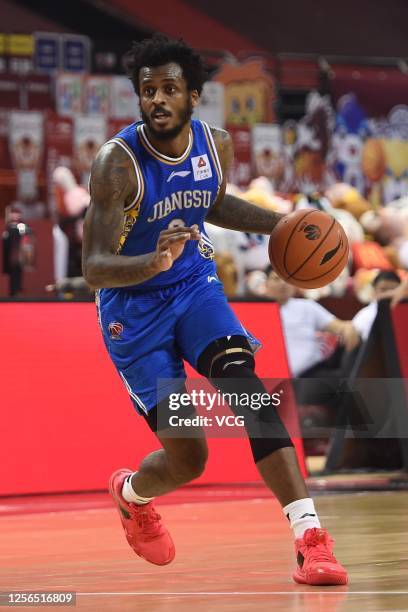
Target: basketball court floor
x,y
234,552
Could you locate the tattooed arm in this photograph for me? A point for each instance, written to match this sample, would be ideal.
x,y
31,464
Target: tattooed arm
x,y
113,185
232,212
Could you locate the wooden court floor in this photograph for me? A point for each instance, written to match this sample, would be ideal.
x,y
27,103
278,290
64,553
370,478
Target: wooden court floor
x,y
231,555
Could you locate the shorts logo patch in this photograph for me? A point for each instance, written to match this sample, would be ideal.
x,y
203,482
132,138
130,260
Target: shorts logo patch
x,y
115,330
201,167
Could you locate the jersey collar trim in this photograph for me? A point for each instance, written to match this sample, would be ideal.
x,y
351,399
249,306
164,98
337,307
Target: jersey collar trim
x,y
164,158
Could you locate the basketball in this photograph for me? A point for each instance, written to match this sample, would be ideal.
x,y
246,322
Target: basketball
x,y
308,249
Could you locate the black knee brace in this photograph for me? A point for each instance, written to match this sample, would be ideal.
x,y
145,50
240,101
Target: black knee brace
x,y
231,348
230,365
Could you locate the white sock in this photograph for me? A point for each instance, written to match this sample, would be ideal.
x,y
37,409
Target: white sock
x,y
131,496
301,515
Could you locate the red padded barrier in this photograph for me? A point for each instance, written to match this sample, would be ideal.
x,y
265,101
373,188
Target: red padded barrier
x,y
399,316
66,419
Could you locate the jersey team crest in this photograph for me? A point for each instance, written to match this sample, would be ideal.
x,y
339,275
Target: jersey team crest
x,y
205,247
115,330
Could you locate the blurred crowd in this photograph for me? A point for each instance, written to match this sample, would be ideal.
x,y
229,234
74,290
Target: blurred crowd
x,y
378,240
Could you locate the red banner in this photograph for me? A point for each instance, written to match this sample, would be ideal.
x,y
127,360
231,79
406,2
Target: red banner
x,y
5,161
38,90
10,91
90,132
59,147
116,125
241,169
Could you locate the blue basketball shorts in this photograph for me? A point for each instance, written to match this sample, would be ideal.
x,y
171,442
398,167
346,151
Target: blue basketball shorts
x,y
148,335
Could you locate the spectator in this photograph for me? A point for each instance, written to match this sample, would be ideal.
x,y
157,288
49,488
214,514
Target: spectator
x,y
302,320
317,372
384,285
18,250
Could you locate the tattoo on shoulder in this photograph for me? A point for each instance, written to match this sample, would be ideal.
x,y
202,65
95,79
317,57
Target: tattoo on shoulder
x,y
221,137
112,176
223,143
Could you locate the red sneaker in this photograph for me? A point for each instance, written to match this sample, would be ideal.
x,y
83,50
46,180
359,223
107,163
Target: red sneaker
x,y
144,530
316,563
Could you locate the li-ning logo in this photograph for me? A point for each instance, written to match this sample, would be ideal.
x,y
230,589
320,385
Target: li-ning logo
x,y
312,232
182,173
233,363
115,329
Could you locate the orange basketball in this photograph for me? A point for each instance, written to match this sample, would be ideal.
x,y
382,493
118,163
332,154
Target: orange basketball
x,y
308,248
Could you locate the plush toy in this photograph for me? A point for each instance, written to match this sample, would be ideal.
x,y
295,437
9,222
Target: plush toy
x,y
389,227
71,199
350,133
261,194
385,163
71,202
249,92
385,156
348,198
312,145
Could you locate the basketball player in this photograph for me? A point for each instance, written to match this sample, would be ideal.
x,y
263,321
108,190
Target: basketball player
x,y
159,299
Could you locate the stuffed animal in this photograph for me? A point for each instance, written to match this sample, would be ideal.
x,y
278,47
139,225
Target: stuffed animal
x,y
71,202
348,198
350,133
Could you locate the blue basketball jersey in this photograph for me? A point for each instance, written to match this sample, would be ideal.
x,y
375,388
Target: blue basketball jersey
x,y
150,328
171,192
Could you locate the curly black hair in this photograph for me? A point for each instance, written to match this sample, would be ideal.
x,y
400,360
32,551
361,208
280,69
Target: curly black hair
x,y
386,275
159,50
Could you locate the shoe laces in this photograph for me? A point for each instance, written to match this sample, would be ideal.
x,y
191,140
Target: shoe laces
x,y
319,545
147,519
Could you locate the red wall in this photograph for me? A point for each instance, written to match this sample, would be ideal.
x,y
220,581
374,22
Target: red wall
x,y
400,324
67,421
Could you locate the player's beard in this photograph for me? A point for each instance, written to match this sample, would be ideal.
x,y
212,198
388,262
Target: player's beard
x,y
184,116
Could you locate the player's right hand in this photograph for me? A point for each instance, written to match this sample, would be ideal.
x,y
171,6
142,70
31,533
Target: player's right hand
x,y
171,245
